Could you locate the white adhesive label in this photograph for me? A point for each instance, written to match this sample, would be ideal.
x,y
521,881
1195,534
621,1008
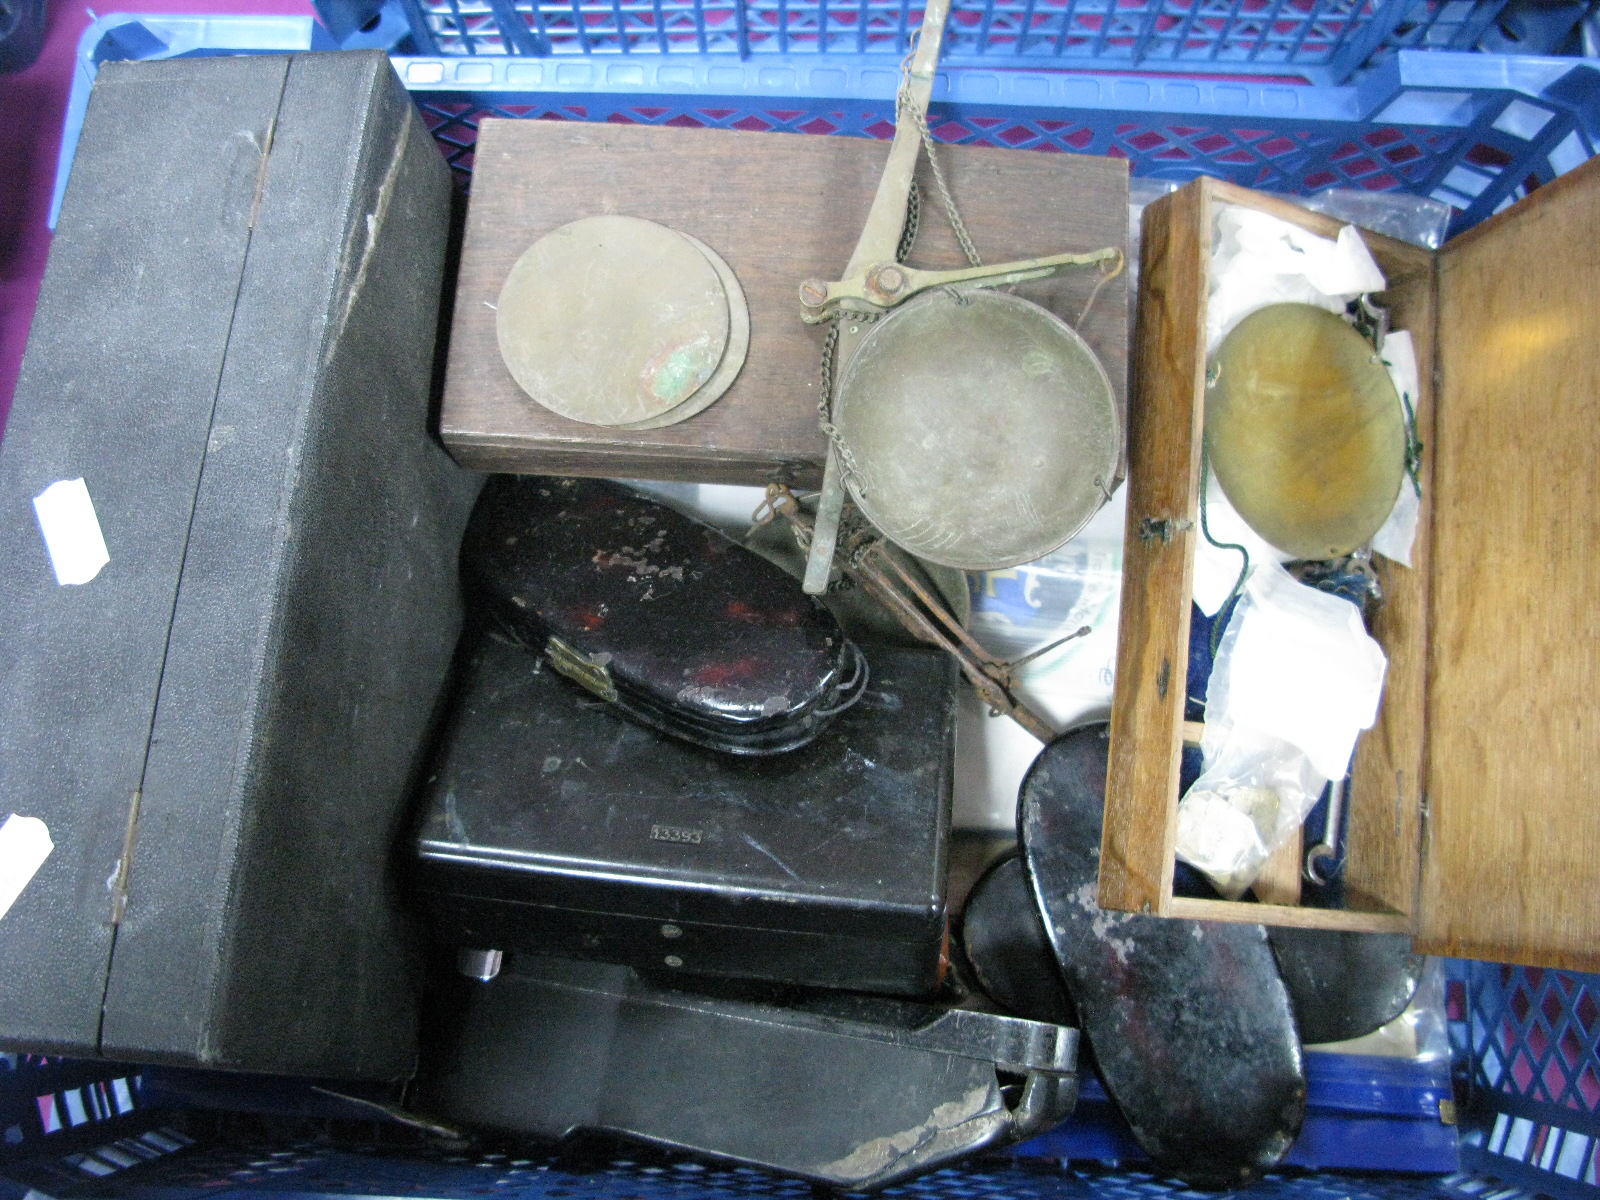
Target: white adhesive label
x,y
24,845
71,531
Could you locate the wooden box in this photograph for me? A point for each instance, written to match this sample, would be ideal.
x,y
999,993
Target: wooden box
x,y
1473,816
779,209
233,352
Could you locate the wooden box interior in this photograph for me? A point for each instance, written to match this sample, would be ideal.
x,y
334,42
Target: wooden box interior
x,y
1480,837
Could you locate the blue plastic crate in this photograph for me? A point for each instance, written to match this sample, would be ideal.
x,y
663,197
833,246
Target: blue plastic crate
x,y
75,1124
1323,41
1527,1054
1528,1041
1474,130
41,1096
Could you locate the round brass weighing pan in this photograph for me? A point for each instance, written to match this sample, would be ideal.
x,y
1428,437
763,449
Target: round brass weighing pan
x,y
614,320
982,429
733,356
1304,430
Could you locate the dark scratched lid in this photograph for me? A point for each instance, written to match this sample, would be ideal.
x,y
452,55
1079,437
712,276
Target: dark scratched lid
x,y
675,623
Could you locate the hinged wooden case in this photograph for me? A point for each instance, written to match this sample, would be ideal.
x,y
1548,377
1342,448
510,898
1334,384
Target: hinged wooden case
x,y
1473,817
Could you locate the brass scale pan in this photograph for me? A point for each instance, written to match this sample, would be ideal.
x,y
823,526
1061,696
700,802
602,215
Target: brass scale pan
x,y
984,429
1305,431
619,321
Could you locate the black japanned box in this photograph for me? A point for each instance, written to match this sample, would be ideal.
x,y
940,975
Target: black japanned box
x,y
233,350
675,623
553,824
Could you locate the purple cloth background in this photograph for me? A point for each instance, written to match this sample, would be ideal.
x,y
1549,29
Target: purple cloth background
x,y
33,104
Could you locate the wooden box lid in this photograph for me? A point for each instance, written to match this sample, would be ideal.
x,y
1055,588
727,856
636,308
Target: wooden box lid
x,y
1511,847
779,209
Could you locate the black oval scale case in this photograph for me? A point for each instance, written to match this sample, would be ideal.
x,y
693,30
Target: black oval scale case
x,y
679,626
1190,1022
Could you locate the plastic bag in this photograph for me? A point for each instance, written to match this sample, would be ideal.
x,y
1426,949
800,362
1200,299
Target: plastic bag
x,y
1244,806
1296,678
1259,260
1416,219
1017,611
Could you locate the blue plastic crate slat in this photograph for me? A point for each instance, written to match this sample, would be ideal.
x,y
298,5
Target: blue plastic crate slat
x,y
289,1167
1523,1179
1472,129
1325,41
1530,1040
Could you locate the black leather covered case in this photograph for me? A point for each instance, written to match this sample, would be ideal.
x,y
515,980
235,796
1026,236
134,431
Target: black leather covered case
x,y
553,825
233,349
670,620
853,1092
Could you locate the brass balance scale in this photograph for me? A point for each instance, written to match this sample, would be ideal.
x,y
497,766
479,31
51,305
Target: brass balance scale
x,y
969,427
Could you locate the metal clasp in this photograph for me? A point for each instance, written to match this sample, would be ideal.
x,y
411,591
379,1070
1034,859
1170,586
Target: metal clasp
x,y
590,673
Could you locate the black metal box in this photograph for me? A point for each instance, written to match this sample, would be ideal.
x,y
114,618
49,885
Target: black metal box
x,y
233,350
554,825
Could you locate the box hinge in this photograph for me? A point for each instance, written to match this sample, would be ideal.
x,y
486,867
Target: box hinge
x,y
1163,528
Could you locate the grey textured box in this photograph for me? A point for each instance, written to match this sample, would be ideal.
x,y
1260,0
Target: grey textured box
x,y
233,348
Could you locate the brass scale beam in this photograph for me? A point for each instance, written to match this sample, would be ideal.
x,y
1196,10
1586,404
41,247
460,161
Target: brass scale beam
x,y
875,282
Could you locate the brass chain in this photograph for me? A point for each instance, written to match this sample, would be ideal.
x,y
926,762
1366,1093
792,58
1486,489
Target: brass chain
x,y
904,106
908,232
908,237
847,460
950,210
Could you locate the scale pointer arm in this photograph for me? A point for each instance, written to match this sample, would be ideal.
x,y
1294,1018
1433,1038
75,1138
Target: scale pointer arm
x,y
889,283
879,238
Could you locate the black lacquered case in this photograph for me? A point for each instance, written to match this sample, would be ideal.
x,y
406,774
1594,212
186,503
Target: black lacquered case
x,y
679,626
552,824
